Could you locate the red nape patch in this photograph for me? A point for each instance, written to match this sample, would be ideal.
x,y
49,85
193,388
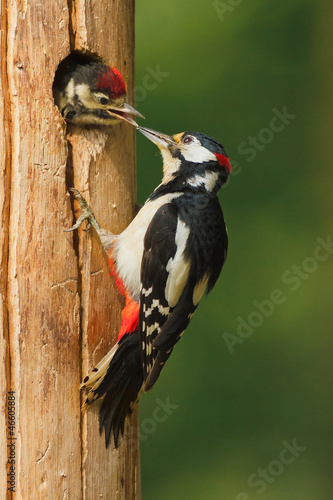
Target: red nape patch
x,y
223,161
111,81
130,318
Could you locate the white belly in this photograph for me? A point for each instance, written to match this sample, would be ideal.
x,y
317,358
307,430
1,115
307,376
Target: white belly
x,y
128,248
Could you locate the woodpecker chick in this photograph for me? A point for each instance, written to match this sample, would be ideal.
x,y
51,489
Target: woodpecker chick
x,y
163,263
89,92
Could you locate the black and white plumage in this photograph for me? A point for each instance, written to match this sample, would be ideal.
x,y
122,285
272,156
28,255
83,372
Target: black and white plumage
x,y
166,259
89,92
179,264
185,245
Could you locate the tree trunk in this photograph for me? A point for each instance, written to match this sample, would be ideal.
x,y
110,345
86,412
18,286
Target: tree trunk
x,y
59,310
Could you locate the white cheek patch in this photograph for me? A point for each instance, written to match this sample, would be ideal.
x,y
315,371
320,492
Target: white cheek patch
x,y
195,153
70,91
84,94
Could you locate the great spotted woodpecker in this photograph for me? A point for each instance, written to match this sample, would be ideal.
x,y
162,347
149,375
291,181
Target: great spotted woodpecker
x,y
89,92
163,262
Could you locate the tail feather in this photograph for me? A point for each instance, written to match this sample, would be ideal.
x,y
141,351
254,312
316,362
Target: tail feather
x,y
93,380
107,419
119,379
113,417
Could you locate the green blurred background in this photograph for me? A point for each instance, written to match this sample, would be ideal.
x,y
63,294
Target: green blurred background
x,y
227,69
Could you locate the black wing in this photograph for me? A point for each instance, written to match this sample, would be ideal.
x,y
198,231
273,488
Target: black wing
x,y
184,250
163,316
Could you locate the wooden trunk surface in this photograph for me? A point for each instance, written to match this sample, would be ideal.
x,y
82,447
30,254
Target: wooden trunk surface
x,y
59,310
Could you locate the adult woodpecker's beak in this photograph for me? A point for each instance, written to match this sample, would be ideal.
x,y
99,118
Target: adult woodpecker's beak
x,y
162,141
124,112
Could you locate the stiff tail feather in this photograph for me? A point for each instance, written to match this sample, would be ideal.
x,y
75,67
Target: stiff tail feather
x,y
119,378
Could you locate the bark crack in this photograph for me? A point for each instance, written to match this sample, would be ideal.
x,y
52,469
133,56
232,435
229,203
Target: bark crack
x,y
65,282
43,453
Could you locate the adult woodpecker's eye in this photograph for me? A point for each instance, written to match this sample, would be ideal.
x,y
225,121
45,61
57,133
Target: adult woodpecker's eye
x,y
187,140
103,100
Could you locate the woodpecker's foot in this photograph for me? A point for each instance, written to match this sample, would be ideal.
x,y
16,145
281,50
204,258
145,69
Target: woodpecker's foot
x,y
106,237
87,214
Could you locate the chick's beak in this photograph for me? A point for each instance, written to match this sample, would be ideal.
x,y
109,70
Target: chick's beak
x,y
124,112
132,111
162,141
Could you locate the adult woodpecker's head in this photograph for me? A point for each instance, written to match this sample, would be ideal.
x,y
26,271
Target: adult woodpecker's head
x,y
89,92
193,158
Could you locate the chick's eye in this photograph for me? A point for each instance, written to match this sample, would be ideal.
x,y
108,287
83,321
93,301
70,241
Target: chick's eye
x,y
103,100
187,140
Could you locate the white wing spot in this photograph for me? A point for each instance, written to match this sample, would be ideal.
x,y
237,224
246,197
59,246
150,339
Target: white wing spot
x,y
163,310
147,292
177,267
151,329
199,290
156,305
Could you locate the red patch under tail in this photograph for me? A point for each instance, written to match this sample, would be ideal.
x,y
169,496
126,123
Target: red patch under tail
x,y
130,318
130,313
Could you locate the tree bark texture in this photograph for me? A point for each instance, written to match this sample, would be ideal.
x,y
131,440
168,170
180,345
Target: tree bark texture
x,y
59,309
